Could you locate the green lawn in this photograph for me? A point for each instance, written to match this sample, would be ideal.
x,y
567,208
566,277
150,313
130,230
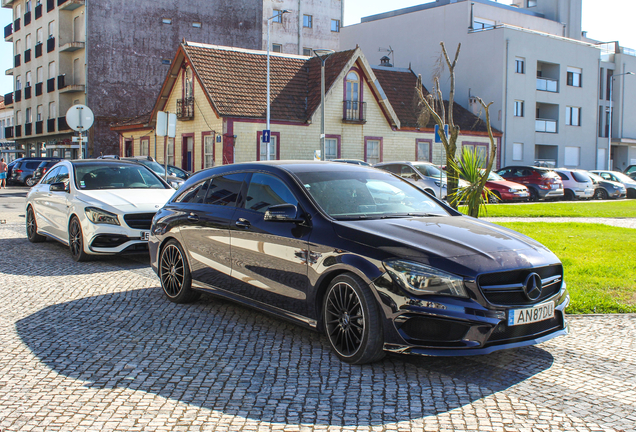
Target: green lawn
x,y
613,209
599,260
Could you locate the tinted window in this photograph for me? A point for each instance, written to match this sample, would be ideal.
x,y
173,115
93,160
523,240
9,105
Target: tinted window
x,y
580,177
195,194
395,169
266,190
50,176
32,165
62,175
224,190
563,176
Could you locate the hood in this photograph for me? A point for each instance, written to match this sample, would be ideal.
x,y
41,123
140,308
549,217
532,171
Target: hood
x,y
504,184
459,244
127,200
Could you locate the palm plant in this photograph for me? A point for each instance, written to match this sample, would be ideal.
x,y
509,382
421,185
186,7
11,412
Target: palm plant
x,y
475,194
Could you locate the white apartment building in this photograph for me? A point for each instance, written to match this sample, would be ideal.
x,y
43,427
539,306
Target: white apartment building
x,y
7,150
548,82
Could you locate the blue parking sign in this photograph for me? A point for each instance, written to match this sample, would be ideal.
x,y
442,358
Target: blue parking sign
x,y
266,135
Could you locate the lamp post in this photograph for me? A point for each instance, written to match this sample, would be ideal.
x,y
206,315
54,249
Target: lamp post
x,y
323,55
609,133
269,20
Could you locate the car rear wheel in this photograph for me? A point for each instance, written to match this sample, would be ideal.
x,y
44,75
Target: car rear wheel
x,y
534,195
352,320
76,241
601,194
32,227
174,273
30,181
568,195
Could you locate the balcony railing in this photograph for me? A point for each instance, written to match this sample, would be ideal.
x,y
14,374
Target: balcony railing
x,y
38,89
16,25
548,84
61,81
28,129
18,131
8,132
72,46
8,30
50,125
353,111
8,99
16,60
185,108
50,85
38,11
38,49
545,125
50,5
50,44
39,127
27,55
17,96
62,125
27,18
27,92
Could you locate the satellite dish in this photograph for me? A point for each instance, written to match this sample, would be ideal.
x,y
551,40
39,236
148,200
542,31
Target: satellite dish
x,y
80,118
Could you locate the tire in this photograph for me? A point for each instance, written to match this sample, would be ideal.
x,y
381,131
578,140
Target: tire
x,y
601,194
76,241
30,181
32,227
534,195
569,195
494,198
352,320
631,193
174,273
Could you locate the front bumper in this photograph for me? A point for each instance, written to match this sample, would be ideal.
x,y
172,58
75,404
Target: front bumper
x,y
104,239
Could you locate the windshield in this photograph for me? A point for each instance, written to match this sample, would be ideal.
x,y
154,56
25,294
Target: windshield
x,y
623,178
91,176
493,176
429,170
367,194
595,177
155,166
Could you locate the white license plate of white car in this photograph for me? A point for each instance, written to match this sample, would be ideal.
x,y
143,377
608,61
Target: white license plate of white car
x,y
541,312
145,235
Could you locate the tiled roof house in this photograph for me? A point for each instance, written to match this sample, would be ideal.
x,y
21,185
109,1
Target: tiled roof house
x,y
219,96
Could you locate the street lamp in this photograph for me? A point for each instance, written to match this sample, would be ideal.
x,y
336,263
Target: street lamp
x,y
278,14
609,134
323,55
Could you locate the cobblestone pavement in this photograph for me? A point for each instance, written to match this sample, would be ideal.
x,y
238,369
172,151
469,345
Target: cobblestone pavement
x,y
95,346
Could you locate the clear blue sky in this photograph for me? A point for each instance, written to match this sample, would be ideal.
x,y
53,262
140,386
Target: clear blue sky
x,y
605,20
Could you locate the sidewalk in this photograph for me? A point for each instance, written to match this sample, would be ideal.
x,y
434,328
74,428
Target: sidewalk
x,y
617,222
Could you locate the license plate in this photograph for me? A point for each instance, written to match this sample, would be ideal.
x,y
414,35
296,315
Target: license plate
x,y
534,314
555,186
145,235
524,194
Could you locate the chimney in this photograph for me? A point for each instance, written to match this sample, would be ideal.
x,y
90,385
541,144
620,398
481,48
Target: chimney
x,y
384,61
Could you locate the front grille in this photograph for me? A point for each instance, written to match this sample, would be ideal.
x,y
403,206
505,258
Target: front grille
x,y
505,333
506,288
139,220
433,329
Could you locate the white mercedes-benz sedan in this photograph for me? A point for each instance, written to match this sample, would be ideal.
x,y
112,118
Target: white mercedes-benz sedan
x,y
96,206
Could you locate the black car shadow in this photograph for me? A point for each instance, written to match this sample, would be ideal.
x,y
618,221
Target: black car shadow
x,y
221,356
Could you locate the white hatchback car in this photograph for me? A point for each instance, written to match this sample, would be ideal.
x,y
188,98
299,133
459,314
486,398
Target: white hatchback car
x,y
96,206
576,184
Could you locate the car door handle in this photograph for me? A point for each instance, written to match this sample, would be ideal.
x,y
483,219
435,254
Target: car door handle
x,y
193,217
243,223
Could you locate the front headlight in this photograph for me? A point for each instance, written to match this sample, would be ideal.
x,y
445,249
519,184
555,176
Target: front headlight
x,y
420,279
175,185
99,216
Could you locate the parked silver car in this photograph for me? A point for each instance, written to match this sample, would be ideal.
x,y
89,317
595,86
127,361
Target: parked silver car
x,y
628,182
605,189
424,174
576,184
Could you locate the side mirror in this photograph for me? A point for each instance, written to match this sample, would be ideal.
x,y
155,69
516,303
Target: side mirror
x,y
283,213
58,187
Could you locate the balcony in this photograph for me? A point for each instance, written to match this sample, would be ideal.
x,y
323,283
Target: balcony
x,y
28,129
16,60
548,84
39,127
50,85
9,72
38,49
38,89
18,131
27,55
50,125
8,32
72,46
50,44
61,124
185,108
545,125
16,25
73,88
8,99
38,11
6,3
70,4
27,92
27,18
353,112
8,132
50,5
17,95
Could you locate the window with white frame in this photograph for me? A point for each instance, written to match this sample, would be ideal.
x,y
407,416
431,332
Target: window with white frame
x,y
28,79
18,118
572,156
208,151
308,21
145,147
331,148
520,65
272,148
39,113
278,16
38,36
373,151
517,151
572,116
52,110
423,151
518,108
39,74
277,48
335,25
170,151
29,115
52,29
480,151
575,77
52,70
27,42
18,82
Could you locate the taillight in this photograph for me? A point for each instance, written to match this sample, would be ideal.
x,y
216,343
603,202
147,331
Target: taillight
x,y
43,171
18,171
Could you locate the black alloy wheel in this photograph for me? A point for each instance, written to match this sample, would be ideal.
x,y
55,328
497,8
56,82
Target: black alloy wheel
x,y
601,194
32,227
494,198
174,273
76,241
352,321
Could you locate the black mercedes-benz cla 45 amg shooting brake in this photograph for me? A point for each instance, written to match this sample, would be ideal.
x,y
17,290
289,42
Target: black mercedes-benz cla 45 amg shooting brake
x,y
359,254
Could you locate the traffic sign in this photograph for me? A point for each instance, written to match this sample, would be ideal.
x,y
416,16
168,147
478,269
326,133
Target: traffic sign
x,y
266,135
166,124
80,118
437,137
79,139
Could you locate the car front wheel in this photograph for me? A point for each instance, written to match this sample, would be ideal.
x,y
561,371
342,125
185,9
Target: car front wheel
x,y
174,273
352,320
32,227
76,241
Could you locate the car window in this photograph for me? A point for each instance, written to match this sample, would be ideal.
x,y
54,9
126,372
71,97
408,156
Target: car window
x,y
114,175
563,176
606,176
395,169
50,176
62,175
32,165
195,194
580,177
408,172
225,190
267,190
